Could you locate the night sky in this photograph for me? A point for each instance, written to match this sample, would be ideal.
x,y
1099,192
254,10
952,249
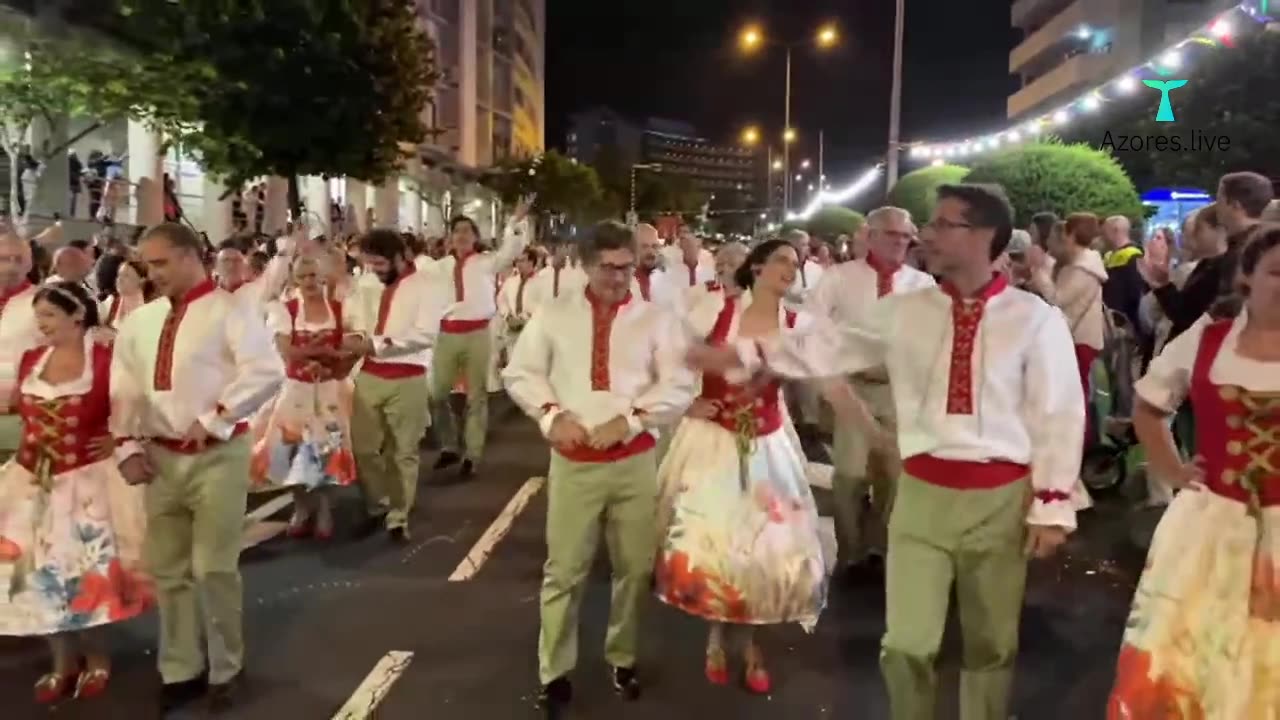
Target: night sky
x,y
679,59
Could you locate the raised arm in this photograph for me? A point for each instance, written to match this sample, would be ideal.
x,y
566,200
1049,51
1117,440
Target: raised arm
x,y
1055,421
515,238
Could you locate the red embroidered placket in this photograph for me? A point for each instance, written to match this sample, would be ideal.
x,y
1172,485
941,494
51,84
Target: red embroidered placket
x,y
884,274
643,276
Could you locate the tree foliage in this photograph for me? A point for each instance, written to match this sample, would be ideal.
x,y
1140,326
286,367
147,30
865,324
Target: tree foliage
x,y
1059,178
1230,94
916,192
666,193
830,221
299,87
563,187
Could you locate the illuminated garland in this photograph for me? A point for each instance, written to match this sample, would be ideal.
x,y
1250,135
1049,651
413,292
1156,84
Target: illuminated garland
x,y
838,197
1216,33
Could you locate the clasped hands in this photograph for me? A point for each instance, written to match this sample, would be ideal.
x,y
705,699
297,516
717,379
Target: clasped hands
x,y
568,432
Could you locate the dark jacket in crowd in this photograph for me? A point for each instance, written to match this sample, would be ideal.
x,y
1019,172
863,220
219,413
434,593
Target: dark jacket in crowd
x,y
1124,287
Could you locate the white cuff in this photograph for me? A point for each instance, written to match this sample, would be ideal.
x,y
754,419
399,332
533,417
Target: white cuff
x,y
216,426
750,354
633,423
1058,512
126,449
545,422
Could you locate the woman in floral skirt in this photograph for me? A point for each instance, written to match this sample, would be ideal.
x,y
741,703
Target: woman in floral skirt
x,y
306,445
1203,637
71,529
738,528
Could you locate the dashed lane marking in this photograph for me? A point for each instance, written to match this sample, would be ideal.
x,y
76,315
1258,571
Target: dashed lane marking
x,y
257,529
475,559
363,704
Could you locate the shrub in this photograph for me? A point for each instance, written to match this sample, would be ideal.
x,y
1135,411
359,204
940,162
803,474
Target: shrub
x,y
830,222
1059,178
916,192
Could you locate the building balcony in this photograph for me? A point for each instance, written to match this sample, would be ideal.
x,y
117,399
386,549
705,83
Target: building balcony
x,y
1090,14
1072,76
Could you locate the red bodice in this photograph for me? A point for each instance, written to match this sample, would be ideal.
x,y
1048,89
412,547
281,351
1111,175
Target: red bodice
x,y
1237,431
57,433
733,401
314,370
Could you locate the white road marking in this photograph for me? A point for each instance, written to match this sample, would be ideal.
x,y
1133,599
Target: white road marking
x,y
269,508
475,559
827,534
257,529
363,703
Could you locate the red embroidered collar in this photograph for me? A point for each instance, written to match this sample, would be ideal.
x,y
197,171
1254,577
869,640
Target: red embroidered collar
x,y
881,267
204,287
998,284
598,303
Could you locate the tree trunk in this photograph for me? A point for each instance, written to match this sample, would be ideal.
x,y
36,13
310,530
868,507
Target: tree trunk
x,y
18,217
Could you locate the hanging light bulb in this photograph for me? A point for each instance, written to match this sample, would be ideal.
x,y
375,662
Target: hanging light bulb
x,y
1127,84
1171,60
1092,103
1061,117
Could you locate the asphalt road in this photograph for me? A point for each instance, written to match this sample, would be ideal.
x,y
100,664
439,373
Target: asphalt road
x,y
319,618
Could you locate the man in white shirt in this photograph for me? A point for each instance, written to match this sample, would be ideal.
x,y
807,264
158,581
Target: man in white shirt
x,y
729,257
599,371
188,371
651,282
389,408
810,272
847,296
516,303
18,331
991,423
464,344
687,263
558,277
233,272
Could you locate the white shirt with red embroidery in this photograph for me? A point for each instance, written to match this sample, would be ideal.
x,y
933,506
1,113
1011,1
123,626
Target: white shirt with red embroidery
x,y
661,288
598,362
402,319
686,276
18,333
551,282
516,297
846,293
268,287
473,280
976,382
210,360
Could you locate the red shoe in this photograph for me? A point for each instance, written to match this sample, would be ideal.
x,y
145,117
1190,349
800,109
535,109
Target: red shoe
x,y
299,528
92,683
717,669
53,688
324,535
758,681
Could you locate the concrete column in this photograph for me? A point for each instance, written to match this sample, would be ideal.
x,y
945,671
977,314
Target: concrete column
x,y
316,198
357,205
386,204
468,64
146,175
215,210
277,211
414,205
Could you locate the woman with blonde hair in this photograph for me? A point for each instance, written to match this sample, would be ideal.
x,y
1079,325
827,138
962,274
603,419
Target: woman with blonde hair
x,y
306,443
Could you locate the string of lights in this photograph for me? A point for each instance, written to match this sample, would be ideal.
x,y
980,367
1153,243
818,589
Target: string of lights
x,y
1217,33
841,196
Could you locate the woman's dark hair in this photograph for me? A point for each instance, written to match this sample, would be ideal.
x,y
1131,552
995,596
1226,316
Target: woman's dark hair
x,y
106,274
70,297
1207,217
745,276
1264,238
458,219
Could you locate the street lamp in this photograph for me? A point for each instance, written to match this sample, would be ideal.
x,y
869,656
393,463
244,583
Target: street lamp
x,y
804,164
777,164
750,136
753,38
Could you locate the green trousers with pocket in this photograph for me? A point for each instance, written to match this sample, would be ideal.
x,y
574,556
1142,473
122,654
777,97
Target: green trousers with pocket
x,y
973,539
466,354
195,528
388,418
619,498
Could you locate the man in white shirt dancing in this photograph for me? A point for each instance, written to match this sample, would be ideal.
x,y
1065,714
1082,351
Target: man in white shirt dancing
x,y
599,370
18,331
188,371
847,296
464,344
991,423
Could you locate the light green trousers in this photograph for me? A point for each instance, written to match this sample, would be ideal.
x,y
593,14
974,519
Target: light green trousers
x,y
388,418
466,353
10,436
860,469
582,498
974,539
195,522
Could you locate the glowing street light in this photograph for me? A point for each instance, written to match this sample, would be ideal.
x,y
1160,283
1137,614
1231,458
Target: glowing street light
x,y
750,136
751,38
828,36
777,164
804,164
789,136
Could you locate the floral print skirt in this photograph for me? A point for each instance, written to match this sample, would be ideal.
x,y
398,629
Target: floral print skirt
x,y
733,551
1203,637
305,442
71,556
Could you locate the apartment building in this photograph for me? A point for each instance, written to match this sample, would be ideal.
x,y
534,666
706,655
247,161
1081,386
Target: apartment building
x,y
1069,46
